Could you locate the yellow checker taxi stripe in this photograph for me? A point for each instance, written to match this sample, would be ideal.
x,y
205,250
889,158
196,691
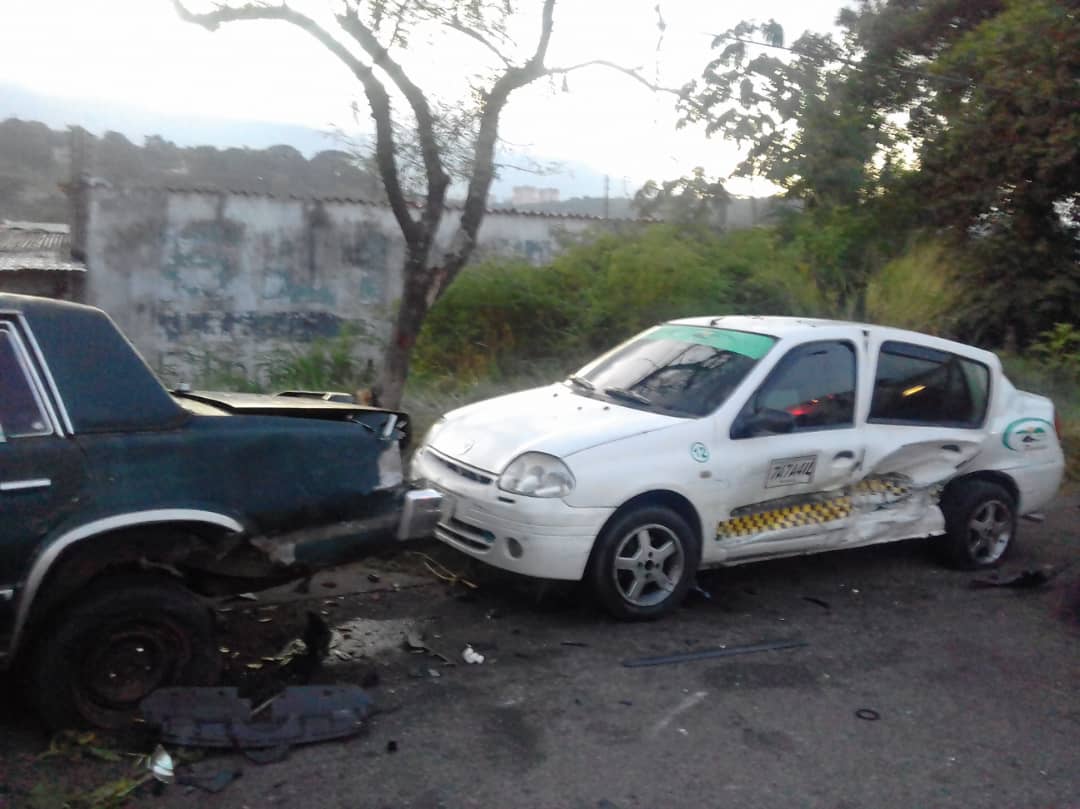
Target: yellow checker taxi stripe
x,y
788,517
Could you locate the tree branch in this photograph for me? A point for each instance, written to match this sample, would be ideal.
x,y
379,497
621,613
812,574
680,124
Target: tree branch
x,y
378,99
456,25
437,179
631,72
484,157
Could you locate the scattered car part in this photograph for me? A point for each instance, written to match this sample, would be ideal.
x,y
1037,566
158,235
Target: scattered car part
x,y
1024,580
161,765
470,655
869,714
217,717
708,654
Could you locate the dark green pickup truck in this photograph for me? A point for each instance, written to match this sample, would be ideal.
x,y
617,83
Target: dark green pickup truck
x,y
122,506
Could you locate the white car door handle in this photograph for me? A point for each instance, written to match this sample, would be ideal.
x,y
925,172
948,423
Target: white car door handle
x,y
844,460
23,485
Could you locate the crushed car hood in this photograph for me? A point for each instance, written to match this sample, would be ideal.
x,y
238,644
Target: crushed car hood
x,y
268,405
490,434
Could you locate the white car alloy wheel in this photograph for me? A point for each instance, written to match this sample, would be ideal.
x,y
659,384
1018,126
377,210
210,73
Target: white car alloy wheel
x,y
649,562
989,530
644,562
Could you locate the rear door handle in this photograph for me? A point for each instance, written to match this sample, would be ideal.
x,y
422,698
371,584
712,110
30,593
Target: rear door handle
x,y
23,485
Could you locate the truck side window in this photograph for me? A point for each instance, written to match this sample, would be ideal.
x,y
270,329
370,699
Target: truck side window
x,y
812,388
21,414
919,385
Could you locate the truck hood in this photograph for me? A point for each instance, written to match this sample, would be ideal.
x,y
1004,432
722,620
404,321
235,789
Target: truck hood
x,y
259,404
554,419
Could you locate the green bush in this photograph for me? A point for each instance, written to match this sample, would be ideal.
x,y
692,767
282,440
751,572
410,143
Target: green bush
x,y
500,318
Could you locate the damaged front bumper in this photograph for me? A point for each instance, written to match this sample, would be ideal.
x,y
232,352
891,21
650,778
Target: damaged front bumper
x,y
420,514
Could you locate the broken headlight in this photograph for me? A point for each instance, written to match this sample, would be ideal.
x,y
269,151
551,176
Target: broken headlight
x,y
537,474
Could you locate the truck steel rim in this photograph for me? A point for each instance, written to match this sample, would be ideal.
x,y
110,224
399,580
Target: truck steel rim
x,y
649,562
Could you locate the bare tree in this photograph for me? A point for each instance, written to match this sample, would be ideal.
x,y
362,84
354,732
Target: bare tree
x,y
370,32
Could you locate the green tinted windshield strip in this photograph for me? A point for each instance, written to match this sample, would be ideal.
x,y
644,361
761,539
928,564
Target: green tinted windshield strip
x,y
748,344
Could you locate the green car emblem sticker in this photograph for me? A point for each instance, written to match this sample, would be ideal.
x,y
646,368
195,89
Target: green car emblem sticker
x,y
1027,435
699,452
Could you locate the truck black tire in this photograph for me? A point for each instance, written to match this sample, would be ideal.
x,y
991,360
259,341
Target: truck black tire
x,y
644,562
124,638
980,523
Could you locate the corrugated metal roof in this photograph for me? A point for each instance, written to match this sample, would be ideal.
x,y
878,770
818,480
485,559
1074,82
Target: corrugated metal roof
x,y
36,246
14,262
450,206
18,240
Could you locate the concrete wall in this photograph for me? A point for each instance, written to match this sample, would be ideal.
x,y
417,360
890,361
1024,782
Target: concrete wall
x,y
206,283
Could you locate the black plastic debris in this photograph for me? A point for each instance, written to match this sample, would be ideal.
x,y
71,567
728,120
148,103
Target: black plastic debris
x,y
825,605
1025,580
391,746
217,717
573,643
869,714
708,654
373,578
268,755
208,779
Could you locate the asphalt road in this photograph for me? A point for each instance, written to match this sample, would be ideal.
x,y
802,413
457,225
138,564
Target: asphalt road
x,y
977,693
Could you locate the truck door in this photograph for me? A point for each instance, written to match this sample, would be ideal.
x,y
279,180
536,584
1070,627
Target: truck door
x,y
41,469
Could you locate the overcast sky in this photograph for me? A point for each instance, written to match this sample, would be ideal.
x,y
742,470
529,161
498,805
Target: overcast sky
x,y
138,52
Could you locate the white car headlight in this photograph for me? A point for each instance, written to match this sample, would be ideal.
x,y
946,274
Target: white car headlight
x,y
537,474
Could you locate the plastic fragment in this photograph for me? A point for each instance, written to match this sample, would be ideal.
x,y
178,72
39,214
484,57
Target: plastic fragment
x,y
161,765
470,655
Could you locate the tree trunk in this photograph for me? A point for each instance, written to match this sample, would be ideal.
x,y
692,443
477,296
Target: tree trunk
x,y
410,316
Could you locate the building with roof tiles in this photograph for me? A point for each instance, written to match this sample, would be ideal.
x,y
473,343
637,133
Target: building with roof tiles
x,y
35,259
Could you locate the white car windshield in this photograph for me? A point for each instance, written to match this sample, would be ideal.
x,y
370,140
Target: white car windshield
x,y
676,369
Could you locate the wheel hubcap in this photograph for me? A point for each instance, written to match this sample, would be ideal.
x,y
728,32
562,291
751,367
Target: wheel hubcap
x,y
649,563
989,531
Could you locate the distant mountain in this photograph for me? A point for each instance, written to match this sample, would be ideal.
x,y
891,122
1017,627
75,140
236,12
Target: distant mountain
x,y
571,178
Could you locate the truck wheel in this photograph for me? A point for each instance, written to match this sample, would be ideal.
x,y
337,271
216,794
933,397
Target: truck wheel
x,y
125,638
980,523
643,563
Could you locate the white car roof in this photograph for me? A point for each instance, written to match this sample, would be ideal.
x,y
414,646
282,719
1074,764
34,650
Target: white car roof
x,y
786,327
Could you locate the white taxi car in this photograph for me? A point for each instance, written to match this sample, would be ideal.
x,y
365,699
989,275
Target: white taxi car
x,y
717,441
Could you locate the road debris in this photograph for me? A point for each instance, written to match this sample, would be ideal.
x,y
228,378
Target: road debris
x,y
825,605
208,777
161,765
470,655
577,643
217,717
1025,580
707,654
415,643
268,755
869,714
391,746
440,571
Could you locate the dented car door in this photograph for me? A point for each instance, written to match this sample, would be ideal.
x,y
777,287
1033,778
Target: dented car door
x,y
794,449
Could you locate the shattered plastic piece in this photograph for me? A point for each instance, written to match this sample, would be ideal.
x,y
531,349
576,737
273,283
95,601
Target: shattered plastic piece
x,y
161,765
268,755
373,578
247,596
1022,581
573,643
391,746
869,714
819,601
212,782
707,654
217,717
470,655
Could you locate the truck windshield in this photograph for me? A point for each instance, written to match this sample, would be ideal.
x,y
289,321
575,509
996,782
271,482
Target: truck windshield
x,y
681,370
